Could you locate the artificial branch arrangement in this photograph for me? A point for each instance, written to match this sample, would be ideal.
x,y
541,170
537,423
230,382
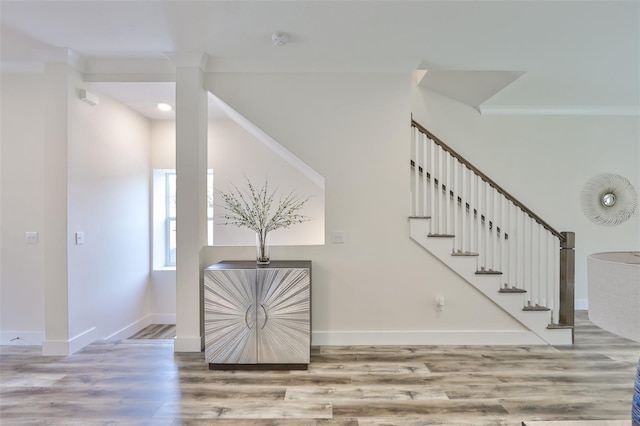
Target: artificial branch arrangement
x,y
255,209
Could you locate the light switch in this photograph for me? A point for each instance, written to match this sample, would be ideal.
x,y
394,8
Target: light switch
x,y
337,237
79,238
31,237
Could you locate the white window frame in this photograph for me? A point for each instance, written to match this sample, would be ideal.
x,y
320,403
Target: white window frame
x,y
168,219
162,218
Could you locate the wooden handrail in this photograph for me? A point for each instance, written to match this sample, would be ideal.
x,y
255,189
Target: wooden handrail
x,y
490,181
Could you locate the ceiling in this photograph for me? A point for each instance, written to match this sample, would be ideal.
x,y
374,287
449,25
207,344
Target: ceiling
x,y
509,56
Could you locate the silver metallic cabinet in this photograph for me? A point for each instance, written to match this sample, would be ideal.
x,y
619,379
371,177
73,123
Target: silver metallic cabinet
x,y
257,315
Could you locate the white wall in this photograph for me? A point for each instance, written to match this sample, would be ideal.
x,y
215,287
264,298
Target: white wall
x,y
109,198
163,144
354,130
234,156
378,287
544,161
22,265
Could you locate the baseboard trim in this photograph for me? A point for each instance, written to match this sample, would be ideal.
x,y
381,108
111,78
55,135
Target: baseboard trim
x,y
188,344
71,346
83,339
325,338
136,326
130,329
456,337
22,338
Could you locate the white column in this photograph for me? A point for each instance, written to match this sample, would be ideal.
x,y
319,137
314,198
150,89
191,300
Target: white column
x,y
191,219
55,235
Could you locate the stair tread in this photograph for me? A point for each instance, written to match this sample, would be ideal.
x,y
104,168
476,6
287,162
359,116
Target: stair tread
x,y
488,272
512,290
441,235
559,327
465,253
536,308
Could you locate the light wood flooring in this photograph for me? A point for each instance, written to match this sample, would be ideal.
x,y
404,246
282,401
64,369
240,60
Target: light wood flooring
x,y
142,382
156,332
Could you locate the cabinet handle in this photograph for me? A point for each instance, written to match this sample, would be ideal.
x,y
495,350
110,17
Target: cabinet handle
x,y
266,317
246,315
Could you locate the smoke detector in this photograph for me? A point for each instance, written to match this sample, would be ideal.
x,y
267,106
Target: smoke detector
x,y
279,39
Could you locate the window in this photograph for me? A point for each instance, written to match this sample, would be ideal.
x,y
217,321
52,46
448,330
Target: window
x,y
164,217
170,221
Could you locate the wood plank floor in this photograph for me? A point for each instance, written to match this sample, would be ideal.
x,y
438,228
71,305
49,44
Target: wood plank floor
x,y
156,332
142,382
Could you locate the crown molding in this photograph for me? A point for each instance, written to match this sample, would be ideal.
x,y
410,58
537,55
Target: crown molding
x,y
143,69
189,59
579,110
61,55
49,55
22,67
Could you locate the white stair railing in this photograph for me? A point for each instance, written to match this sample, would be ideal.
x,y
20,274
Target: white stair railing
x,y
487,222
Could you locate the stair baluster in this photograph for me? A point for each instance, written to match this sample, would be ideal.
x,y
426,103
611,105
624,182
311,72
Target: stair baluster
x,y
464,223
425,184
456,190
475,215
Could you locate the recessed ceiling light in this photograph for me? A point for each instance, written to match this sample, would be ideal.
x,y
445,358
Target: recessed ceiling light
x,y
164,107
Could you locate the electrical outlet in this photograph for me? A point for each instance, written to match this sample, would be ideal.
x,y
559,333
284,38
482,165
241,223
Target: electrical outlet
x,y
31,237
337,237
79,238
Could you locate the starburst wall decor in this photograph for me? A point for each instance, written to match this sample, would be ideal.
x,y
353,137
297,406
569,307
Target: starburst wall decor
x,y
609,199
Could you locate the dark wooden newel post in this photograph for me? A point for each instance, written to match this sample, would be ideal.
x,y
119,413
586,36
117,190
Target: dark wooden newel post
x,y
567,279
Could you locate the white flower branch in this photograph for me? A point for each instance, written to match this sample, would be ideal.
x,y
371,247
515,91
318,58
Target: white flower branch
x,y
254,209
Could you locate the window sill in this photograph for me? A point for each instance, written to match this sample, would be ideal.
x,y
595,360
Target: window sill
x,y
164,268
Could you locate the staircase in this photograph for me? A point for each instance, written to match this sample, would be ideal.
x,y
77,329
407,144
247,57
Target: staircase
x,y
491,240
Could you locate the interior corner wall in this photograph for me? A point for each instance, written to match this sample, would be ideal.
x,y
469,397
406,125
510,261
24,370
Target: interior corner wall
x,y
544,161
109,202
22,265
234,156
354,129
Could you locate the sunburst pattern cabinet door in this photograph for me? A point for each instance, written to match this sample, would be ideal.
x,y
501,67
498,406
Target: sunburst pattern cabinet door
x,y
230,316
283,315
